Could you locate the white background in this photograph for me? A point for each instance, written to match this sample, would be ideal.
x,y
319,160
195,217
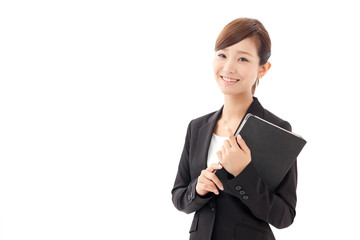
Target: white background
x,y
96,96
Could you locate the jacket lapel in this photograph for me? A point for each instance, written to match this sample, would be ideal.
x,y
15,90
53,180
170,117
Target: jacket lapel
x,y
206,131
204,138
255,108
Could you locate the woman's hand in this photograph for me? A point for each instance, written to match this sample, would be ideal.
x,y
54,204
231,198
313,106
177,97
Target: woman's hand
x,y
234,155
207,181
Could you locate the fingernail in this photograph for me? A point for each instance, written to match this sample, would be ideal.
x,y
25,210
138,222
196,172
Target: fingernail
x,y
222,188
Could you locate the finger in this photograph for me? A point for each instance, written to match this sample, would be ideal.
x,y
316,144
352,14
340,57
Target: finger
x,y
224,150
219,155
231,137
211,188
213,167
243,145
202,176
214,179
208,186
227,144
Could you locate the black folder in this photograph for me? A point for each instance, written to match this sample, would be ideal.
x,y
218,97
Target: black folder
x,y
273,150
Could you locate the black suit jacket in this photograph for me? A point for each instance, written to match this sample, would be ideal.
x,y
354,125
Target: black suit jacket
x,y
224,216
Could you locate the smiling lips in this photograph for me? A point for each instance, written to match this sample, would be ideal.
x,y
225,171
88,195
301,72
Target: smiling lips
x,y
229,80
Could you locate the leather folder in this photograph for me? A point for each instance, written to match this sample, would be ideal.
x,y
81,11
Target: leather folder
x,y
273,150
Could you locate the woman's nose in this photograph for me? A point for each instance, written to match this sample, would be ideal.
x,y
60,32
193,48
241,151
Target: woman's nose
x,y
229,66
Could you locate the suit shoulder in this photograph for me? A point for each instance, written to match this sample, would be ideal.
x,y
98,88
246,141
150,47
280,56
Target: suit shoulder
x,y
269,116
203,119
197,122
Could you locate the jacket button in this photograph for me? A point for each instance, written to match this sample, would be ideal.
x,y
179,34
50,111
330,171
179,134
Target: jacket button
x,y
242,192
212,206
245,197
238,188
190,196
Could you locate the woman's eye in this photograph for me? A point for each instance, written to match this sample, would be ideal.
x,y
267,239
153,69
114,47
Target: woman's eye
x,y
222,55
243,60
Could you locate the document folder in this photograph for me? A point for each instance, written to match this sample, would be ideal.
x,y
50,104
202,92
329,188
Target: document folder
x,y
273,150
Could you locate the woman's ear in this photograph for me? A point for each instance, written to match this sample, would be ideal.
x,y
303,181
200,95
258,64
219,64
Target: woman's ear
x,y
264,69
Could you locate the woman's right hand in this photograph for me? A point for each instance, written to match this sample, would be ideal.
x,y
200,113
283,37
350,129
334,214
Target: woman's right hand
x,y
207,181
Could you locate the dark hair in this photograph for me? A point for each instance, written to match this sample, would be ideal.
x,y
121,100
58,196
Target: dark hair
x,y
242,28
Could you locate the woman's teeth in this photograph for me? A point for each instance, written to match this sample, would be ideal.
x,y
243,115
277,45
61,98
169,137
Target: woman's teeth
x,y
229,79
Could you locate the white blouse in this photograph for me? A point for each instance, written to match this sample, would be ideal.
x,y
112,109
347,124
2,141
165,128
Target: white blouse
x,y
215,145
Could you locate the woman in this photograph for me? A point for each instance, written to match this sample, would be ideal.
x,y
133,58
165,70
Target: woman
x,y
242,52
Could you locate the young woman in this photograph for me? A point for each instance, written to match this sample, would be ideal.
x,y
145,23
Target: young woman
x,y
241,59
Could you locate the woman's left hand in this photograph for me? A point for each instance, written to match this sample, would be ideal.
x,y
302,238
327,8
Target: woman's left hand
x,y
234,155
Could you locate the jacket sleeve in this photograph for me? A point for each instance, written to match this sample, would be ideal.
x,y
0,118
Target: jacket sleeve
x,y
184,194
276,208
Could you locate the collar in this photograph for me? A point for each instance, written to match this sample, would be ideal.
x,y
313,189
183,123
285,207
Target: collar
x,y
206,131
255,108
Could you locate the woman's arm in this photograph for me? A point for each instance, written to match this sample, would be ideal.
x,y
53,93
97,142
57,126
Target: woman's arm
x,y
184,194
276,208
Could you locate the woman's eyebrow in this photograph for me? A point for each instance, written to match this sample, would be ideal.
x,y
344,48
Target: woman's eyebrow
x,y
243,52
238,52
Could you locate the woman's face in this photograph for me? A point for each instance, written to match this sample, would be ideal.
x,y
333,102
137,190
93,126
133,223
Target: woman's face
x,y
237,67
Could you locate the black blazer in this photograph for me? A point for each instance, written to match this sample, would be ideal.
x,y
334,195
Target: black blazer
x,y
224,216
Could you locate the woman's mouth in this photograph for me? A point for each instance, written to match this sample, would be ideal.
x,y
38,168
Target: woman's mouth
x,y
229,80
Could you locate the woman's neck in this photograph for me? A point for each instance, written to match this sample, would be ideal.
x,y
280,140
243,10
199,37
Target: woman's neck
x,y
235,107
233,111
